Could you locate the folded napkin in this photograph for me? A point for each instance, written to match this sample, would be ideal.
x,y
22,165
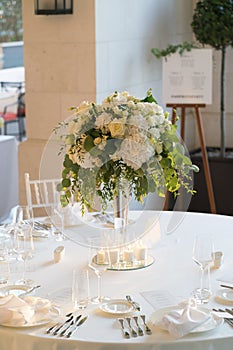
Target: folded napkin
x,y
16,311
182,320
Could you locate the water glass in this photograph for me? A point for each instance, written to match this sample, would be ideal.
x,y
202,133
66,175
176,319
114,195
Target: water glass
x,y
4,270
57,220
24,248
80,288
5,245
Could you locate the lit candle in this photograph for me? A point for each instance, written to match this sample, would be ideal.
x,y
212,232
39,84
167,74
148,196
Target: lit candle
x,y
140,252
100,257
114,256
128,255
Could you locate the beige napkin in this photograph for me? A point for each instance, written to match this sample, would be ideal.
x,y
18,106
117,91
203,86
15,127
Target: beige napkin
x,y
18,312
182,321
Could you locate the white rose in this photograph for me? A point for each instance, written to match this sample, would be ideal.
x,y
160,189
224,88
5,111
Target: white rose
x,y
117,129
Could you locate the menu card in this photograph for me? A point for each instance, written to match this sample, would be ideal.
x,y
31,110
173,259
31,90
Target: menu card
x,y
159,299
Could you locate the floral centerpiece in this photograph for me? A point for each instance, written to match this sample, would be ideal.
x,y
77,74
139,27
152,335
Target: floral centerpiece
x,y
121,139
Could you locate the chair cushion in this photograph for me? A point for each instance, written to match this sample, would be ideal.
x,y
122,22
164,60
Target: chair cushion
x,y
9,116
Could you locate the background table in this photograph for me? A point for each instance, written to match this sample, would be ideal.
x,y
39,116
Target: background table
x,y
170,240
8,175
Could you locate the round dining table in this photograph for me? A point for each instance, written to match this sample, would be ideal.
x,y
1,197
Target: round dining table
x,y
168,280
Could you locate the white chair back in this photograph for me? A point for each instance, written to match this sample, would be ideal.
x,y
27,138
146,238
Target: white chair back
x,y
41,193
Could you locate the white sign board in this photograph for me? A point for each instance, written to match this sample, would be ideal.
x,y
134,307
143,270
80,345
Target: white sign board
x,y
187,78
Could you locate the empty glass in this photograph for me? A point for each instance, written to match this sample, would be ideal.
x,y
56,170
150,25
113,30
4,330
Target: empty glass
x,y
203,257
98,262
23,240
80,288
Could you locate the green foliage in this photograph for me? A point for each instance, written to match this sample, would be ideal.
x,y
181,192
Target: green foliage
x,y
97,162
11,20
171,49
213,23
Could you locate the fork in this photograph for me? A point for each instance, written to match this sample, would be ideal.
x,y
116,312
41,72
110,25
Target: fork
x,y
227,320
126,334
147,329
140,331
132,330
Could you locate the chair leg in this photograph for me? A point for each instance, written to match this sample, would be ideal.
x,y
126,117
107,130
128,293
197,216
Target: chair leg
x,y
20,130
5,128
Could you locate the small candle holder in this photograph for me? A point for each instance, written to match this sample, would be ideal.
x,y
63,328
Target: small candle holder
x,y
131,257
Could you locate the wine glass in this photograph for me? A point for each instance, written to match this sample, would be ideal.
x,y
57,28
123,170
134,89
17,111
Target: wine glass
x,y
98,262
57,220
23,240
203,257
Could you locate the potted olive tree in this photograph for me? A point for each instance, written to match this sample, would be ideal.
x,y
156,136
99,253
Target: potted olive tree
x,y
212,25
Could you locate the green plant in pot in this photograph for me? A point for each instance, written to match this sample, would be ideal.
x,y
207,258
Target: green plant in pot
x,y
212,25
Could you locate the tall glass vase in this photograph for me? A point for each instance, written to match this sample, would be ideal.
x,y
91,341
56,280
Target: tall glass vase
x,y
121,213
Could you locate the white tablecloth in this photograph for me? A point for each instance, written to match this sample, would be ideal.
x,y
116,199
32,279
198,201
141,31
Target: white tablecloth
x,y
8,175
173,271
14,75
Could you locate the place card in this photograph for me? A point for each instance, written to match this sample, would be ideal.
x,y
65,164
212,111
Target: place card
x,y
160,298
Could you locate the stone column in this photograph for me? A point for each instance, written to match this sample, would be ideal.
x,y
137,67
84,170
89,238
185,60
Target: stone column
x,y
59,56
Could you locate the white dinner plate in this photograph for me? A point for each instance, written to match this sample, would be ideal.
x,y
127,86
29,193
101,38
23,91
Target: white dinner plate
x,y
214,322
38,320
17,290
117,306
224,296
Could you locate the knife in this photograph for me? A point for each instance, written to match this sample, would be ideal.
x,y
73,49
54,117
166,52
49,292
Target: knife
x,y
76,326
229,311
225,286
55,332
30,290
70,325
135,305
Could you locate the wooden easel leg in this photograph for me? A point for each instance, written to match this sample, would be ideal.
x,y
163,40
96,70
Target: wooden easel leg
x,y
205,162
182,129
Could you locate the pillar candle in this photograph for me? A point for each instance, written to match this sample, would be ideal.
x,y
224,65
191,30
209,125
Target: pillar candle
x,y
128,255
140,252
100,257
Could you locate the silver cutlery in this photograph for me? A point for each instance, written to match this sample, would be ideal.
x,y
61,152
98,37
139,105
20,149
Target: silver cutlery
x,y
226,286
30,290
55,332
132,330
49,330
40,225
125,333
76,326
73,322
147,329
227,320
135,305
229,311
140,331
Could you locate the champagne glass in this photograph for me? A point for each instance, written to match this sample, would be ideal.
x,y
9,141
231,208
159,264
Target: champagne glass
x,y
23,240
98,262
203,257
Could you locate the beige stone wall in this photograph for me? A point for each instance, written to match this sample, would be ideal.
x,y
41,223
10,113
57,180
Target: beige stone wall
x,y
59,55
